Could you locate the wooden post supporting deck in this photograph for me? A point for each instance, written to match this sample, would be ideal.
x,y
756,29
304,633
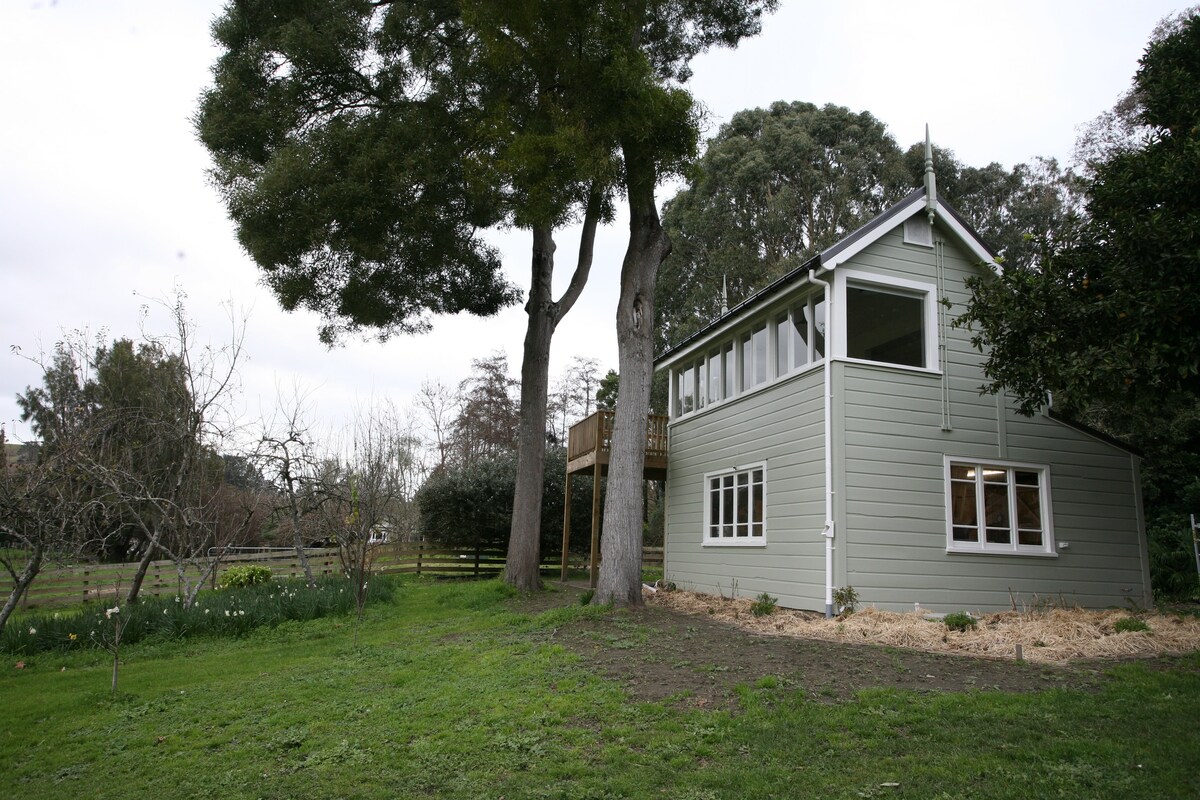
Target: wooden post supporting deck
x,y
595,526
566,551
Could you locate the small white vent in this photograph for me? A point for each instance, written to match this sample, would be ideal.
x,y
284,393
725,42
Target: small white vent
x,y
917,230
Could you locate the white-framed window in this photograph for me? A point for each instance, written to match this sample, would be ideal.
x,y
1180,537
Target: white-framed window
x,y
998,507
886,320
735,508
918,230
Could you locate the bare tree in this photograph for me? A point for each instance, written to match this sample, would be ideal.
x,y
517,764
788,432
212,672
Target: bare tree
x,y
440,405
40,504
286,451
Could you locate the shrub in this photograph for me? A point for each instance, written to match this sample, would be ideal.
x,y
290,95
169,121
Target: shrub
x,y
959,621
1130,625
240,577
763,605
845,600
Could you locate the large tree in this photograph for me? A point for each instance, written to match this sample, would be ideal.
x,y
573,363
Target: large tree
x,y
363,146
1109,317
655,122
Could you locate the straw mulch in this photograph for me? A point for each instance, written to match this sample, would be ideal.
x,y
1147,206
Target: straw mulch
x,y
1055,635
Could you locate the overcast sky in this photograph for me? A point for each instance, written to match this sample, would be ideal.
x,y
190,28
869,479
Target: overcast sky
x,y
104,199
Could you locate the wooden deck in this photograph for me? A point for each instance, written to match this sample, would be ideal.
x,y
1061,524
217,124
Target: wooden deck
x,y
589,444
589,447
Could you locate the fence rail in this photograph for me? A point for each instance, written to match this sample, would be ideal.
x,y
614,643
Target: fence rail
x,y
67,585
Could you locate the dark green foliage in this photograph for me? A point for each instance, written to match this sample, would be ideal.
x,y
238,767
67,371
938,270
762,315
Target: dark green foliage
x,y
345,144
763,605
845,600
232,612
471,505
245,575
1130,625
959,621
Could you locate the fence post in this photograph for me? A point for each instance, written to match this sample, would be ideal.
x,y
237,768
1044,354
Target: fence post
x,y
477,561
420,549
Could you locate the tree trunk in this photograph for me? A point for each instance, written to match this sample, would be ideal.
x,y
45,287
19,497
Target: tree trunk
x,y
522,564
297,538
143,566
521,568
28,573
621,546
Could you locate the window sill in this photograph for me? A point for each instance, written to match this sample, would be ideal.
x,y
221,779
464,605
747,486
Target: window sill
x,y
962,551
761,542
887,365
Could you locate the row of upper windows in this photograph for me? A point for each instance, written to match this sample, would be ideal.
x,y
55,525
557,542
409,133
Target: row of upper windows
x,y
884,322
793,340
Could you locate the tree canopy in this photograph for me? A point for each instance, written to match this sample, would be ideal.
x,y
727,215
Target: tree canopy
x,y
1109,317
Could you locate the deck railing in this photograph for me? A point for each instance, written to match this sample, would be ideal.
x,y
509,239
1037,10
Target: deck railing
x,y
594,434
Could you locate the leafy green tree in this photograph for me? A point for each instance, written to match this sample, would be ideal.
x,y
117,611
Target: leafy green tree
x,y
1110,317
773,187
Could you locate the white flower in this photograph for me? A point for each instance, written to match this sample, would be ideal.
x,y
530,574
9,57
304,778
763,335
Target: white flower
x,y
164,612
114,610
32,631
241,613
206,611
56,615
227,612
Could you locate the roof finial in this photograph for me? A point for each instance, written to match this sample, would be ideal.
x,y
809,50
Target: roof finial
x,y
930,179
724,295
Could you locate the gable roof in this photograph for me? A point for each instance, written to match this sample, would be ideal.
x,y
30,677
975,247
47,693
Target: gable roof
x,y
838,253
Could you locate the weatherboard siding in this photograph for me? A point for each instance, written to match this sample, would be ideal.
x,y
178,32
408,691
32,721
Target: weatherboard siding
x,y
781,426
891,476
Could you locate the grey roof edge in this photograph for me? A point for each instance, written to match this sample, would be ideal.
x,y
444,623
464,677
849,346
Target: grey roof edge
x,y
1095,433
816,262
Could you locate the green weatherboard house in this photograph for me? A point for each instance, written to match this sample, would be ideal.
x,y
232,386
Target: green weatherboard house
x,y
830,432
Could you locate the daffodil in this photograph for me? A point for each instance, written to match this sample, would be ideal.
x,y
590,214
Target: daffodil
x,y
32,631
72,636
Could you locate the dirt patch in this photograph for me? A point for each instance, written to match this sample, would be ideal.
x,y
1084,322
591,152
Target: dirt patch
x,y
662,653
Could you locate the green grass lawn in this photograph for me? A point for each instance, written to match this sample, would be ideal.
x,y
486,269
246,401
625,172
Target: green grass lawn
x,y
454,692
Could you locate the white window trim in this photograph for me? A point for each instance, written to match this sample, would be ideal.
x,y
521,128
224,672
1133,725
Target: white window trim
x,y
748,541
884,283
1045,550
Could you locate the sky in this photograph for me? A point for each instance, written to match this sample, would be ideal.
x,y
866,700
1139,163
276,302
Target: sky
x,y
105,204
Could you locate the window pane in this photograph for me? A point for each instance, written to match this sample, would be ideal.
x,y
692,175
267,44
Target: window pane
x,y
1025,478
714,378
881,326
714,507
962,472
727,504
966,534
760,355
1029,507
800,336
819,327
995,505
688,391
995,475
756,514
1030,537
783,359
747,363
962,502
730,388
999,536
701,384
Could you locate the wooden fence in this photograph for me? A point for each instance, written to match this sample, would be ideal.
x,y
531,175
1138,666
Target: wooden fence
x,y
67,585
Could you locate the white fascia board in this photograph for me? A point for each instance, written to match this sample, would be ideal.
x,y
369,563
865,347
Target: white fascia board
x,y
733,322
964,236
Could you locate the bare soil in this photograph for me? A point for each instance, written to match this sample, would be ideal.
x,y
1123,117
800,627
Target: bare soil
x,y
662,654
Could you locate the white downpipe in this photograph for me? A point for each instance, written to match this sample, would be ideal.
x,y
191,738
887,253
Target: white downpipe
x,y
829,529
